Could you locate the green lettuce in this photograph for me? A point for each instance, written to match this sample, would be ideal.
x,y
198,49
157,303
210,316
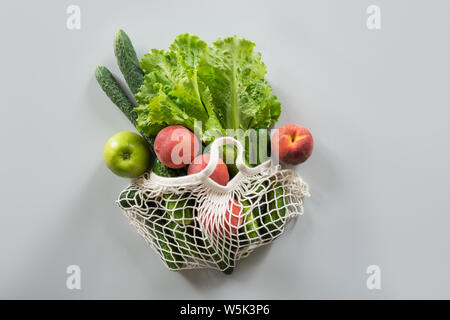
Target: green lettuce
x,y
222,85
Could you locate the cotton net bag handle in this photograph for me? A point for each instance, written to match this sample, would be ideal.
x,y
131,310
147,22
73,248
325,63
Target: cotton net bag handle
x,y
203,176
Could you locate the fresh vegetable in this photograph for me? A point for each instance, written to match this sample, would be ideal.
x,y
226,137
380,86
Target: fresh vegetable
x,y
177,238
129,198
229,251
118,96
127,154
171,94
133,74
207,250
165,238
183,238
180,209
216,90
222,86
128,61
234,74
251,225
176,146
162,170
273,218
163,235
293,144
219,175
115,92
261,209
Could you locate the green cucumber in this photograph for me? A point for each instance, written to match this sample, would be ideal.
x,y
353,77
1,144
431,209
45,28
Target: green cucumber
x,y
118,96
163,171
228,270
128,198
115,92
177,233
260,211
176,207
251,226
183,239
249,230
206,250
273,219
128,61
229,252
170,252
181,213
155,221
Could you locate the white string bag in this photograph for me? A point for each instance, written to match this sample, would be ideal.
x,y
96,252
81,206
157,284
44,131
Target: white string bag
x,y
193,222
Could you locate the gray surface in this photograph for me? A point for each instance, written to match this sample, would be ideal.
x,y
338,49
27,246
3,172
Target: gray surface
x,y
377,103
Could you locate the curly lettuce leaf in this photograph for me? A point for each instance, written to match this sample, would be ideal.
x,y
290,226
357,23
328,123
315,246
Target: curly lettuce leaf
x,y
171,93
223,86
235,74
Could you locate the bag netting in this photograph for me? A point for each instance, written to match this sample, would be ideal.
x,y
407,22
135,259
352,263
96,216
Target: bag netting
x,y
192,222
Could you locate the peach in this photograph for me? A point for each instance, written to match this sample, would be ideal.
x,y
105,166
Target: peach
x,y
219,175
176,146
233,217
293,144
223,223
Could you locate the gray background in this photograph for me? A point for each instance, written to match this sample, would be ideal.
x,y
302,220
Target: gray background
x,y
377,103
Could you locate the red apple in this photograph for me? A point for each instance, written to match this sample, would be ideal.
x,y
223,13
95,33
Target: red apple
x,y
219,175
176,146
293,144
224,223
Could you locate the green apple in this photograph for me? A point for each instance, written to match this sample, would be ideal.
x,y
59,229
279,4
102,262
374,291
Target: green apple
x,y
127,154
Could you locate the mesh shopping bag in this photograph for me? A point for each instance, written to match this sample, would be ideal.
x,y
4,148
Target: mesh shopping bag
x,y
193,222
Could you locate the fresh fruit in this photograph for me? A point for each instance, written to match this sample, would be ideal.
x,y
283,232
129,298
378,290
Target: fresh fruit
x,y
127,154
233,217
228,153
219,175
176,146
225,223
293,144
